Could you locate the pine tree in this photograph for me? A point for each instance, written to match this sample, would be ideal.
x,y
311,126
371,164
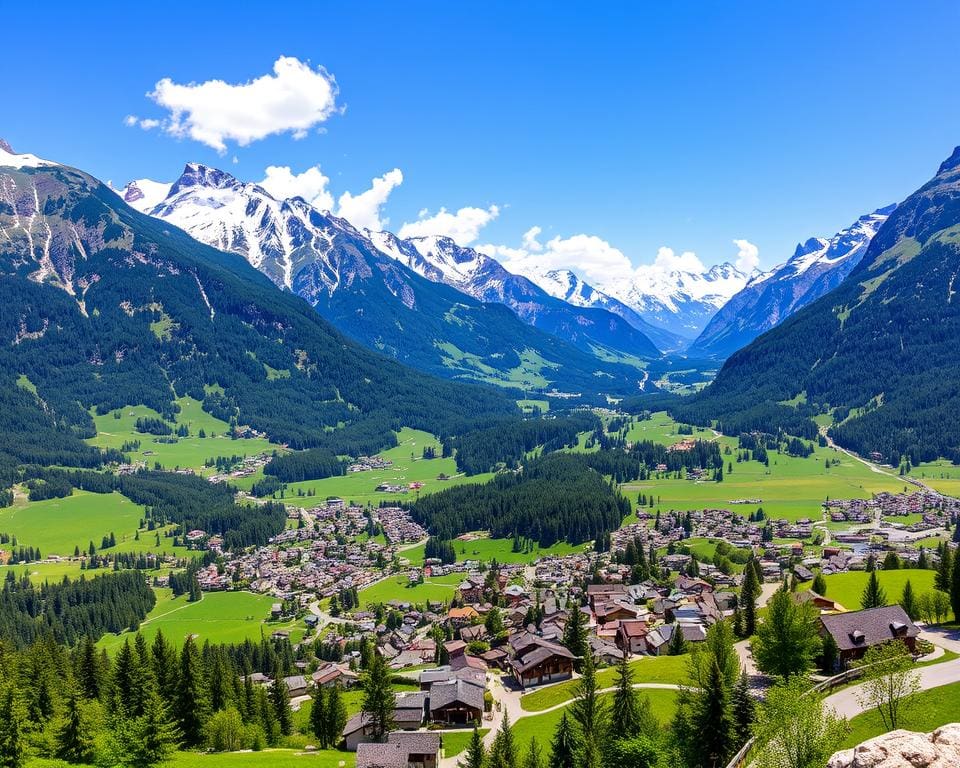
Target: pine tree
x,y
75,738
163,661
12,741
475,756
534,757
126,677
717,737
908,601
156,735
378,697
563,747
318,716
575,633
336,715
624,715
955,589
744,710
89,673
748,599
590,715
819,584
192,704
503,751
195,594
943,579
677,645
873,595
280,698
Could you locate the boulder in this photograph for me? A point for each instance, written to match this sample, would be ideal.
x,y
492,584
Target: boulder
x,y
904,749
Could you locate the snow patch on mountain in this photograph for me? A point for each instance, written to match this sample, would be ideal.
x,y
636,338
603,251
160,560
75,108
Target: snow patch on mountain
x,y
10,159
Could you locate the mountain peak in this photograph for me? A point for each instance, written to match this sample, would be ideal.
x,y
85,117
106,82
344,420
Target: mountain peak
x,y
199,175
951,163
6,147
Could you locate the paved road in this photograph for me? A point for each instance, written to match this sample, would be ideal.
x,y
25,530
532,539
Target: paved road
x,y
846,702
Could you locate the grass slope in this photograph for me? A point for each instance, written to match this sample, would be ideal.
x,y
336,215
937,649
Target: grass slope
x,y
924,711
846,588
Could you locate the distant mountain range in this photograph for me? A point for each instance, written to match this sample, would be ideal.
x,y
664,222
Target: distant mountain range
x,y
427,303
880,350
817,266
103,307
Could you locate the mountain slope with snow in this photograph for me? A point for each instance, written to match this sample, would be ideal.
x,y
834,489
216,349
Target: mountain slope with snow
x,y
591,328
370,295
817,266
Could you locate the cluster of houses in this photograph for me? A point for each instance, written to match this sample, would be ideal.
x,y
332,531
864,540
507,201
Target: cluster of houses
x,y
247,467
368,463
934,508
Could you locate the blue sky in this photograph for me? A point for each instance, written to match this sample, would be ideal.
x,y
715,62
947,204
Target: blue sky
x,y
641,125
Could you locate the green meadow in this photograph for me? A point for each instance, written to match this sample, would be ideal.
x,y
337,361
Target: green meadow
x,y
923,712
409,466
220,617
56,526
275,758
501,550
663,704
847,588
186,452
942,475
789,488
437,589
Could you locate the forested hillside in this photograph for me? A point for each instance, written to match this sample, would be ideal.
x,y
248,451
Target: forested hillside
x,y
881,350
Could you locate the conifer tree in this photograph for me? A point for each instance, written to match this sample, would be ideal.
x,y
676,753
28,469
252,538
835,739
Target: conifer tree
x,y
942,580
534,757
336,715
503,751
192,703
744,710
590,715
155,733
575,634
819,584
625,714
280,698
677,645
748,599
318,716
873,595
563,747
89,673
475,755
75,738
12,740
908,601
955,589
378,697
717,738
163,661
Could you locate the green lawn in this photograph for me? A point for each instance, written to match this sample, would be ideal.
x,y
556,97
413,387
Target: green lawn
x,y
528,405
846,588
926,711
440,589
941,475
790,487
51,572
646,669
408,466
220,617
501,550
663,703
56,526
190,451
455,743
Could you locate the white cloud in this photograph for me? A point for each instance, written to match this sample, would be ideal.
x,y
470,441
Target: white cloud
x,y
530,241
463,227
132,121
748,257
294,99
668,260
363,210
311,185
590,256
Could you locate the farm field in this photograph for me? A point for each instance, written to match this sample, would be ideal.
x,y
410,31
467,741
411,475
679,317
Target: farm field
x,y
501,550
663,704
790,487
646,669
220,617
190,451
941,475
924,712
437,589
409,466
56,526
846,588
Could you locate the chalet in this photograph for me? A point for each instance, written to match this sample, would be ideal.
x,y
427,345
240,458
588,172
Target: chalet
x,y
330,674
445,674
823,604
456,702
632,636
296,685
545,662
410,710
401,750
460,617
857,631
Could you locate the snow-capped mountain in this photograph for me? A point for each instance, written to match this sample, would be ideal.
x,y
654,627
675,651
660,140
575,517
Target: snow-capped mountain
x,y
567,285
678,300
368,294
144,194
592,328
817,266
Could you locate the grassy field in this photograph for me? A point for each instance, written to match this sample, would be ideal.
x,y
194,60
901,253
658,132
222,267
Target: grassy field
x,y
846,588
409,466
56,526
501,550
455,743
941,475
662,702
220,617
790,487
275,758
190,451
528,405
925,712
439,589
647,669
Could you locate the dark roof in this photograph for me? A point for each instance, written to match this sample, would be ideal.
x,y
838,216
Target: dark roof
x,y
455,691
862,629
398,749
540,654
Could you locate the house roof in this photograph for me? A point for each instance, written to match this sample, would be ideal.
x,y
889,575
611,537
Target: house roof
x,y
539,655
862,629
455,692
398,749
633,628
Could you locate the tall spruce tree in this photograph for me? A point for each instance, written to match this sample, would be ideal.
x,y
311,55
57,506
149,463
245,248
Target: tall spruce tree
x,y
590,714
943,580
955,588
75,738
748,599
192,703
575,634
378,697
280,699
873,595
318,716
12,738
563,747
503,751
475,755
336,715
744,710
534,757
717,739
625,712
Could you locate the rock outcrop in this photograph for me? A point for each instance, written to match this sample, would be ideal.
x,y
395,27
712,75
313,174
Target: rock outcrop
x,y
904,749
